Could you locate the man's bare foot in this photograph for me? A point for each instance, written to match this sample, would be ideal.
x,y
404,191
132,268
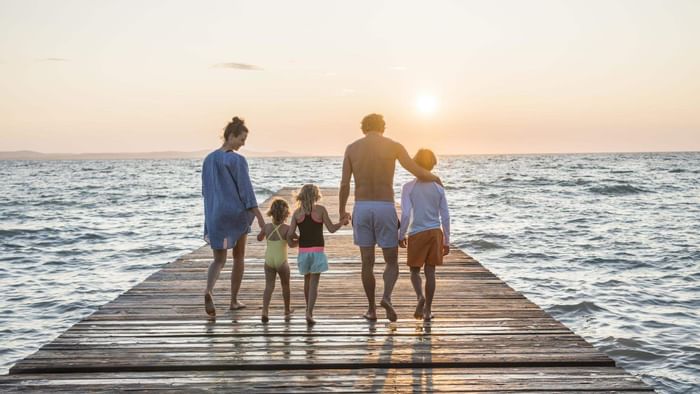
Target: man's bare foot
x,y
428,315
209,305
310,320
390,312
264,319
418,314
370,315
236,305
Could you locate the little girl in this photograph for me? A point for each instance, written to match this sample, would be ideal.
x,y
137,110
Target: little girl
x,y
310,218
276,255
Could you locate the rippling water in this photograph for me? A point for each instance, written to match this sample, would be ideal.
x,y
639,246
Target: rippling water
x,y
608,243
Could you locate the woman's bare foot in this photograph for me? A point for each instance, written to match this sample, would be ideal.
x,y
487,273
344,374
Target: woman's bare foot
x,y
288,314
418,314
310,320
236,305
390,312
209,305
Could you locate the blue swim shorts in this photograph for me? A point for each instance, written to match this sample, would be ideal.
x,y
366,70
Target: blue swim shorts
x,y
312,262
375,223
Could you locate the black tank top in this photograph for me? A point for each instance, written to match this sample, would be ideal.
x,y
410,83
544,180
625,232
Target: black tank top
x,y
310,232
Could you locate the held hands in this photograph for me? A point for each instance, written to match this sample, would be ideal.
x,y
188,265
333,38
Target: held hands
x,y
402,243
261,235
345,218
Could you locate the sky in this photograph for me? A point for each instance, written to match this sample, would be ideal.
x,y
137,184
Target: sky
x,y
459,77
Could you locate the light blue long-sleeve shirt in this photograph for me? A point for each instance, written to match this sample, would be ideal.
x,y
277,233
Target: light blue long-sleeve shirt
x,y
424,207
228,196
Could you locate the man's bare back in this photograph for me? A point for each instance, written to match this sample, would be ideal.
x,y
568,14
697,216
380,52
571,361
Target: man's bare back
x,y
373,161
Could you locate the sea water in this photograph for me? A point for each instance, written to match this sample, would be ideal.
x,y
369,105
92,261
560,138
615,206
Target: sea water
x,y
609,244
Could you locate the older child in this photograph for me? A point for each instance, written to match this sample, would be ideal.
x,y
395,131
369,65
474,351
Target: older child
x,y
311,261
276,255
424,204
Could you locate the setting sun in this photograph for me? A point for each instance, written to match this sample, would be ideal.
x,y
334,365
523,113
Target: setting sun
x,y
426,105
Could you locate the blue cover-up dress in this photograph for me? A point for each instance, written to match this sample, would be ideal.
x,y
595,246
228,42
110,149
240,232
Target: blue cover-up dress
x,y
228,196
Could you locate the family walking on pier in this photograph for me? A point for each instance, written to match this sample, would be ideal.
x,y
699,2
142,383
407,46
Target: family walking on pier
x,y
230,206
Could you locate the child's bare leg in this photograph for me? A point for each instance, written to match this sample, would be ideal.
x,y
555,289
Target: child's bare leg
x,y
313,293
284,280
306,289
429,291
418,288
212,276
270,276
237,273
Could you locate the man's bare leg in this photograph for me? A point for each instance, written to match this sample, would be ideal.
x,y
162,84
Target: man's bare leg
x,y
391,275
417,287
429,291
212,276
368,282
237,273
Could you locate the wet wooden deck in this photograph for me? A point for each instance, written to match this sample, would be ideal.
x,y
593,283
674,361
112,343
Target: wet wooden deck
x,y
486,337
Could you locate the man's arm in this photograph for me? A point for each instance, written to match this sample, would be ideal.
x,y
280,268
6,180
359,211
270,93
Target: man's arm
x,y
406,207
411,166
344,192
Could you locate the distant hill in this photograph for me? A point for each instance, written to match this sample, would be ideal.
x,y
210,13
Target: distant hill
x,y
32,155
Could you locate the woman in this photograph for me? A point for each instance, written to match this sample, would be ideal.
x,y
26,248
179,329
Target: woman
x,y
229,208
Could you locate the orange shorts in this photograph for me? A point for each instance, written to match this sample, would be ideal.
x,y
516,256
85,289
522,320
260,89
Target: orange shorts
x,y
425,247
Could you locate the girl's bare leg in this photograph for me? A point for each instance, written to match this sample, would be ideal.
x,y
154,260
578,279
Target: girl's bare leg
x,y
212,276
417,287
284,280
270,276
429,291
237,273
306,289
313,293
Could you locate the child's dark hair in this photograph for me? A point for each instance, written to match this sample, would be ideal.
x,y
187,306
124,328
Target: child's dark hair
x,y
279,210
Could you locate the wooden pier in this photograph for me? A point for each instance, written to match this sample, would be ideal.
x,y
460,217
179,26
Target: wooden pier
x,y
486,337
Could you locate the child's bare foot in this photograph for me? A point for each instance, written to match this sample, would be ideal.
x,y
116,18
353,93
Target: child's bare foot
x,y
418,314
427,315
370,315
236,305
264,319
288,314
390,312
209,305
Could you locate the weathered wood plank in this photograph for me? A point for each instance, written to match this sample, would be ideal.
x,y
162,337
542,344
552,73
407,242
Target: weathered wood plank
x,y
486,337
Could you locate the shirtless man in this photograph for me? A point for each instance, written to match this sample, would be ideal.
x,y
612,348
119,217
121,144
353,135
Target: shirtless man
x,y
371,161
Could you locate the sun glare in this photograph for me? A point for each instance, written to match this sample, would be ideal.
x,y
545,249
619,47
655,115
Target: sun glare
x,y
426,105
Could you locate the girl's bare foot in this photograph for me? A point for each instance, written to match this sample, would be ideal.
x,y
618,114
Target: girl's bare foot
x,y
209,305
370,315
428,315
390,312
236,305
265,319
288,314
418,314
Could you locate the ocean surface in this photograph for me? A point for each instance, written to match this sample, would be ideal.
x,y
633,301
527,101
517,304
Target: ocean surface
x,y
609,244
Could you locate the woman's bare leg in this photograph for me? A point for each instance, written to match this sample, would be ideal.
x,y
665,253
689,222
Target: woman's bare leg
x,y
237,273
212,276
270,277
313,293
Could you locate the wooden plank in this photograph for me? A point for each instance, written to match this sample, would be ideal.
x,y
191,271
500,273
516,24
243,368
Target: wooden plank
x,y
486,336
